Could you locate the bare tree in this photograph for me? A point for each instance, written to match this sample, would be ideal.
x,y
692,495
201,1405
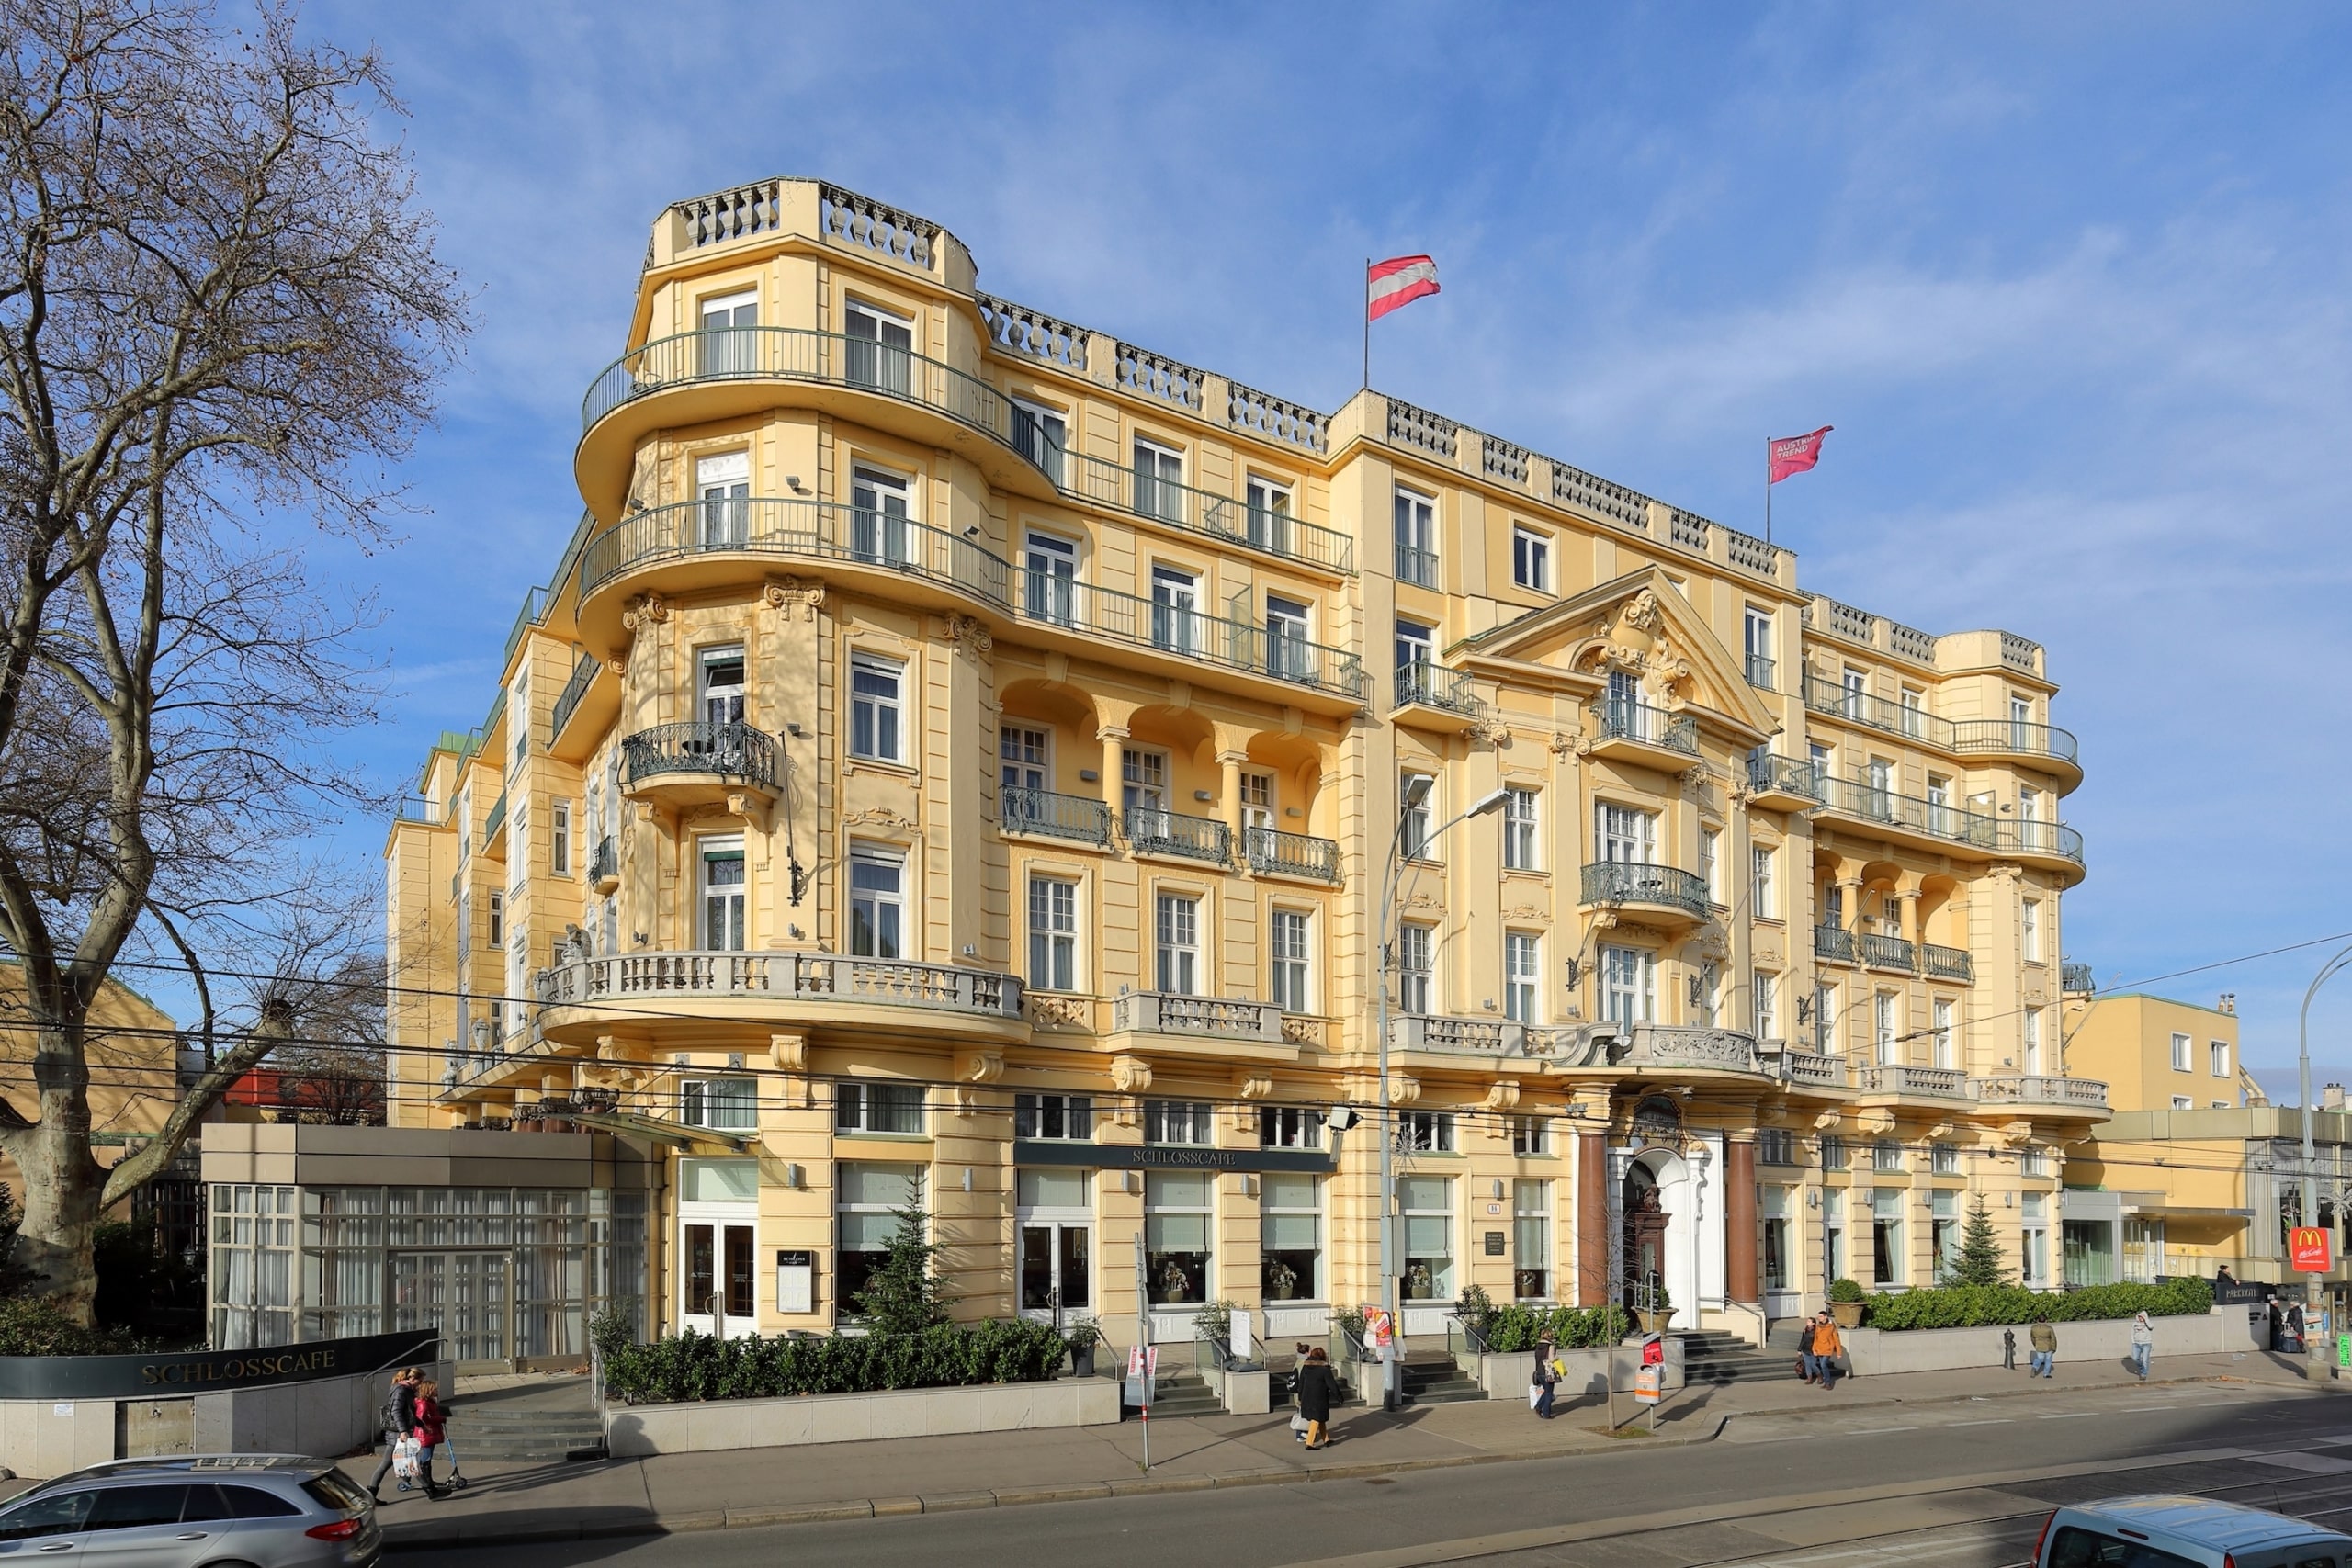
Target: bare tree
x,y
333,1074
221,320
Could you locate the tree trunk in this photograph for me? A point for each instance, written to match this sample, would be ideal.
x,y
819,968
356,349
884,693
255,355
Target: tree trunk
x,y
63,1184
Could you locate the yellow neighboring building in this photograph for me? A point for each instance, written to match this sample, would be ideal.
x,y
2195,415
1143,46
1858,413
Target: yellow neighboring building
x,y
134,1068
959,755
2195,1170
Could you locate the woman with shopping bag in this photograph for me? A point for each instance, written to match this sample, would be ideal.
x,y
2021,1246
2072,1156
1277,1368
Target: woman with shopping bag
x,y
1547,1380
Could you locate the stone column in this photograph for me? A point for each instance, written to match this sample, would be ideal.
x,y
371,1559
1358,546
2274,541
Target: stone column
x,y
1739,1218
1910,897
1592,1238
1229,796
1112,735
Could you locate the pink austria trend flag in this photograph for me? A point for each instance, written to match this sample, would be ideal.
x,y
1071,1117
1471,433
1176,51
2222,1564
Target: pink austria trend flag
x,y
1395,282
1794,453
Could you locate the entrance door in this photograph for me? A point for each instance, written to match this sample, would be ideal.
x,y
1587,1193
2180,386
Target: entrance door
x,y
466,1295
1644,1238
715,1262
1055,1217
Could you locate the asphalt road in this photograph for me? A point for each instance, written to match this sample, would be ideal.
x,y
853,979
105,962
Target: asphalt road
x,y
1953,1486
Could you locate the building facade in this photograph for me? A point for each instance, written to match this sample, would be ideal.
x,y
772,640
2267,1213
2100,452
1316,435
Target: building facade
x,y
966,757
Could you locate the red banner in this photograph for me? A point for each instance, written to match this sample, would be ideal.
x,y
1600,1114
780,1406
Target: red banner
x,y
1793,454
2307,1250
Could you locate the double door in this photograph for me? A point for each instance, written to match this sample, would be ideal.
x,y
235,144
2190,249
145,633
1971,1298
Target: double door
x,y
717,1271
469,1296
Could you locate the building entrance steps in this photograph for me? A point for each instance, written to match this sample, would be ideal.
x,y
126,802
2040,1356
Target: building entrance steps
x,y
1711,1357
536,1418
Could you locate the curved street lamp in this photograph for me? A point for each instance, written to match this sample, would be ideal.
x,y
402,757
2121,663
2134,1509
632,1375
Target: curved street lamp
x,y
2327,971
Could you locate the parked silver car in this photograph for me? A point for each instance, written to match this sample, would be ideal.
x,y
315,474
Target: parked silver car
x,y
196,1511
2184,1532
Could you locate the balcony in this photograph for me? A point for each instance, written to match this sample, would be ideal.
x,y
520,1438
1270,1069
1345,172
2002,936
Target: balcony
x,y
2085,1096
1274,853
694,377
1043,814
1947,963
1653,888
1961,737
854,986
1649,737
1467,1036
1886,953
1939,825
699,761
1834,945
1218,517
1170,834
1166,1012
1934,1083
493,823
1778,783
2075,979
1811,1070
1761,672
1660,1045
586,698
605,866
1417,567
1441,694
1187,635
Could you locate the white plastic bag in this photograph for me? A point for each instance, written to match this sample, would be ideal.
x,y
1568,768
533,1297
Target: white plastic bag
x,y
1534,1394
404,1461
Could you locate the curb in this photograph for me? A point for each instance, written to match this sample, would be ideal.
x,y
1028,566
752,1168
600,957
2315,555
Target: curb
x,y
479,1531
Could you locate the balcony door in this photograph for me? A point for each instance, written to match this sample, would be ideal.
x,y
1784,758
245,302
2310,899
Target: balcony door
x,y
879,353
1269,515
722,894
1159,482
721,678
1625,837
729,343
1049,591
880,533
1627,716
723,486
1286,638
1175,610
1416,651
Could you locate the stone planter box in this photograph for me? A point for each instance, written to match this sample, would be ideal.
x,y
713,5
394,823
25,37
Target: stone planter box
x,y
1875,1351
634,1431
1246,1393
1506,1375
1849,1315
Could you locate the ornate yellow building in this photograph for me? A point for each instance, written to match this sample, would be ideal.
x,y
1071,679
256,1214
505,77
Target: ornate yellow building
x,y
960,754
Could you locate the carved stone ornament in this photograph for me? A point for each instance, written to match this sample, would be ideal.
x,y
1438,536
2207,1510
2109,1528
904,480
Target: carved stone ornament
x,y
1301,1031
981,1066
1403,1088
2017,1134
1130,1074
1943,1130
878,816
1527,913
645,610
1492,733
784,593
1056,1012
618,665
966,631
1255,1086
1644,614
1423,901
1826,1121
1877,1124
1563,745
1502,1096
789,1052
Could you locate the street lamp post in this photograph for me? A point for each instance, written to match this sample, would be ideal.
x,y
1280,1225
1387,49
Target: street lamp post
x,y
2310,1215
1416,794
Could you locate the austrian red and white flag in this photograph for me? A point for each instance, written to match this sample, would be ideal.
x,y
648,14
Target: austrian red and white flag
x,y
1398,281
1793,454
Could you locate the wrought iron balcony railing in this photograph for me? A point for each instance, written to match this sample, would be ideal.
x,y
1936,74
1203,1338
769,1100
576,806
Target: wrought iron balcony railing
x,y
1077,818
699,747
1962,736
2077,978
1416,566
583,675
1434,685
1171,626
1651,726
1619,882
1171,833
1291,854
605,863
1887,951
1940,820
1761,672
1145,494
1784,777
1833,944
1947,963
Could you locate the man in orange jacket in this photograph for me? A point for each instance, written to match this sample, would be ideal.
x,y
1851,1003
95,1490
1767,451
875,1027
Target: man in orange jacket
x,y
1826,1347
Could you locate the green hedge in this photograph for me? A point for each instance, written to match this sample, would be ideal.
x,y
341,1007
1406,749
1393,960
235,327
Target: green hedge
x,y
1509,1329
702,1366
1977,1306
37,1328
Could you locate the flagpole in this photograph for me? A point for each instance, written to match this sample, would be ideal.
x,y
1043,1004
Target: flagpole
x,y
1768,489
1365,303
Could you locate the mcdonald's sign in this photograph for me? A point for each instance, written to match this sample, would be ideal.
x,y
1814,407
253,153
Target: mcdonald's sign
x,y
2308,1251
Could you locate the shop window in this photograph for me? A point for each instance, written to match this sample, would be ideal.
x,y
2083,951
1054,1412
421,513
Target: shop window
x,y
1290,1238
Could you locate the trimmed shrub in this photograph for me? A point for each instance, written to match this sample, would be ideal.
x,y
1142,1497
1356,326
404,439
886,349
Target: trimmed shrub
x,y
1981,1306
1845,1291
37,1328
694,1367
1509,1329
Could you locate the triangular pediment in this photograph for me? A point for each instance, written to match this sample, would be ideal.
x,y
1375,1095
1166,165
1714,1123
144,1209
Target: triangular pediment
x,y
1639,624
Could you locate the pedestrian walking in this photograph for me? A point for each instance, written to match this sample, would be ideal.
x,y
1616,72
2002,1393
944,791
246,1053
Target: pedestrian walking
x,y
1827,1348
2008,1350
400,1420
2278,1325
1547,1379
2143,1344
2296,1326
428,1430
1298,1365
2221,1276
1319,1390
2046,1349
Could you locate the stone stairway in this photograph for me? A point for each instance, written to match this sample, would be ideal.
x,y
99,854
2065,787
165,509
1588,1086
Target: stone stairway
x,y
1438,1380
546,1420
1181,1390
1712,1358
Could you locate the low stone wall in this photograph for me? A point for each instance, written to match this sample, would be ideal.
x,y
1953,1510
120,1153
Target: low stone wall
x,y
1874,1352
1507,1375
634,1431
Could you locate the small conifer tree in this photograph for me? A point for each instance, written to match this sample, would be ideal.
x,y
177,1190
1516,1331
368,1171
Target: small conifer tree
x,y
1979,1262
902,1295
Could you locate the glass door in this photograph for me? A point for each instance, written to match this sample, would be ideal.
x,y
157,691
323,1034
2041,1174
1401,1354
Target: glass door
x,y
717,1267
1055,1219
1050,592
463,1294
1175,609
723,484
729,343
880,349
878,531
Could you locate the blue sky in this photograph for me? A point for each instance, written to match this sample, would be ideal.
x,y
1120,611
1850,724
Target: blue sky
x,y
2071,283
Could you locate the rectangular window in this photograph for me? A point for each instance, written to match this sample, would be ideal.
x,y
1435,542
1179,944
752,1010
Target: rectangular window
x,y
1767,994
881,522
1064,1118
1258,801
1425,1132
1625,985
1522,968
1833,1152
2033,1258
1287,961
1290,1238
1888,1265
2184,1102
866,1213
1289,1127
722,894
1776,1145
1531,1136
1416,536
1854,685
1531,559
1289,653
2034,1162
1160,481
496,903
1176,1122
559,839
2181,1046
1709,868
1176,930
1415,962
1763,889
1833,1232
729,343
1706,1002
1623,836
1944,1159
875,692
1025,758
1267,507
879,352
1042,436
1521,837
1049,580
1416,652
1143,792
1414,835
1053,934
1176,1216
2031,1021
1427,1203
1777,1206
723,485
1885,1029
1756,634
1824,1021
1530,1212
722,1104
1945,1045
876,903
2030,927
877,1108
1914,704
1886,1154
2221,1058
1176,622
1943,1231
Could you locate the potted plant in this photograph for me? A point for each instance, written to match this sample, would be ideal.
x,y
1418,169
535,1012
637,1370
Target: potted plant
x,y
1846,1303
1657,1308
1082,1338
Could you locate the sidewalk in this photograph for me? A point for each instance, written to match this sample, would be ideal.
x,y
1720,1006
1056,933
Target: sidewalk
x,y
714,1491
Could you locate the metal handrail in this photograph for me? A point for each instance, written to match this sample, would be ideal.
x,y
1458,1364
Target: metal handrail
x,y
1078,817
1108,484
1940,820
1434,685
1761,672
1962,736
1651,726
605,860
576,690
1887,951
1834,943
799,354
1616,882
1784,774
1291,854
1946,962
1417,566
1173,833
699,746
